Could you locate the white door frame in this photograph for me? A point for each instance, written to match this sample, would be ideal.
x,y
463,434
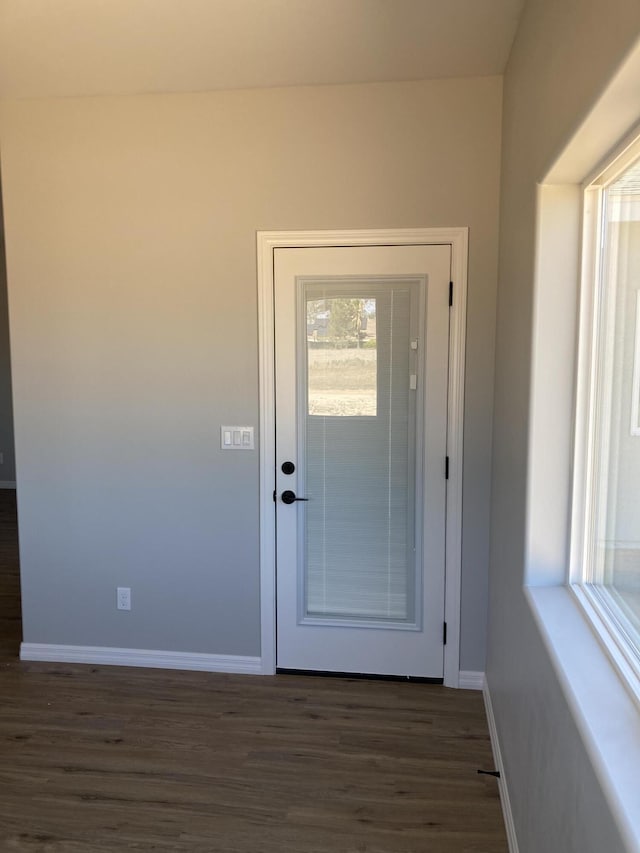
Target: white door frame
x,y
267,242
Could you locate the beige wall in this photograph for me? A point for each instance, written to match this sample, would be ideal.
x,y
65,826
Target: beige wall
x,y
564,56
7,467
132,282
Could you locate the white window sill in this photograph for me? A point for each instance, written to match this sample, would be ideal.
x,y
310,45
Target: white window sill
x,y
607,716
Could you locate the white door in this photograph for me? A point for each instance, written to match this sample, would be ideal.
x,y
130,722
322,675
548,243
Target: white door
x,y
361,338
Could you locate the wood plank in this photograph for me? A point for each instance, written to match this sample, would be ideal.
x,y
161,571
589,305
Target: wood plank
x,y
96,759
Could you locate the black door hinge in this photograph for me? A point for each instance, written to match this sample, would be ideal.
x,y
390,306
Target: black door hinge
x,y
446,468
274,495
450,293
444,633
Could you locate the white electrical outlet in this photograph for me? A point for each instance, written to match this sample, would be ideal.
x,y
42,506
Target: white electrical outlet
x,y
124,598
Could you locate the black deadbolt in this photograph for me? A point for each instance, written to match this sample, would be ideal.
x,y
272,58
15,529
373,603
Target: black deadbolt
x,y
288,467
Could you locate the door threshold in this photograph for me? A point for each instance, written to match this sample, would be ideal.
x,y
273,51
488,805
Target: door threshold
x,y
362,676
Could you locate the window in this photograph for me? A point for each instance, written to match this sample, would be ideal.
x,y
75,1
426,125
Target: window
x,y
606,523
342,371
361,437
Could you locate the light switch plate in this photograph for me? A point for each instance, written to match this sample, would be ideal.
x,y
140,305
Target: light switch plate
x,y
236,438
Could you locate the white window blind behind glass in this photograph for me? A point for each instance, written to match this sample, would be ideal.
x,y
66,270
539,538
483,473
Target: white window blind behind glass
x,y
358,407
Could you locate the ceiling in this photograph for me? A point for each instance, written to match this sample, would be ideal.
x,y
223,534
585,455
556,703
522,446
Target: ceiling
x,y
87,47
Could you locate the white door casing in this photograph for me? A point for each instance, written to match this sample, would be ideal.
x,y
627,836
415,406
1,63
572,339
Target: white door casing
x,y
268,242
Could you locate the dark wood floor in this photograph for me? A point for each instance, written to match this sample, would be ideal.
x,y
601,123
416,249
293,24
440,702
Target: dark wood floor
x,y
110,759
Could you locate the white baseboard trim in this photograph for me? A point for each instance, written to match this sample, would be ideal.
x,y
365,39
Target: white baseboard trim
x,y
7,484
470,680
502,782
141,657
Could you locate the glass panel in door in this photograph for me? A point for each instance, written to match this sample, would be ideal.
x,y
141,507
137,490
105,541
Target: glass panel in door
x,y
358,401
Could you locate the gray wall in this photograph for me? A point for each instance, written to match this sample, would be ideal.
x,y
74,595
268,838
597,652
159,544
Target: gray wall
x,y
132,284
564,55
8,466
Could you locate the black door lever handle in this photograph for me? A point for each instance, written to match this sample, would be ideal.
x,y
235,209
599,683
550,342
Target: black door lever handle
x,y
289,497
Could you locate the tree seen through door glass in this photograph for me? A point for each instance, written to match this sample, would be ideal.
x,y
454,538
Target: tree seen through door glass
x,y
341,357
